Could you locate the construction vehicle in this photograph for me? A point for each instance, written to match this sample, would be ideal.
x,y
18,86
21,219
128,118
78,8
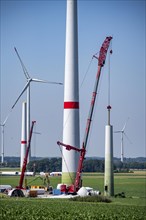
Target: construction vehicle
x,y
18,191
73,189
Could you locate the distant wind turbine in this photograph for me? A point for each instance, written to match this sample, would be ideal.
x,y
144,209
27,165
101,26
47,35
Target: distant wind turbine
x,y
3,132
122,139
27,87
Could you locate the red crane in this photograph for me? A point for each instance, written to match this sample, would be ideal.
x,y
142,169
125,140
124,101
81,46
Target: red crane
x,y
101,61
25,159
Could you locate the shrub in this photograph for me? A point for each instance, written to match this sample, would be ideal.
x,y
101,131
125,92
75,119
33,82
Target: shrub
x,y
96,198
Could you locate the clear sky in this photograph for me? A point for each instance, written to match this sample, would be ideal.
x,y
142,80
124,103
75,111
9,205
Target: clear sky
x,y
37,30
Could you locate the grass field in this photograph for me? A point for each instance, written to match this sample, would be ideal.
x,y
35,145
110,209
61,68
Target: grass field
x,y
131,207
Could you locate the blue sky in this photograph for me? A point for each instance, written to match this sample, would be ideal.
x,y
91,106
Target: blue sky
x,y
37,30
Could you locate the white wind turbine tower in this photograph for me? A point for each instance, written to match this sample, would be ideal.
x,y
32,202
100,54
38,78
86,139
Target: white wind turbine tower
x,y
122,139
3,132
27,86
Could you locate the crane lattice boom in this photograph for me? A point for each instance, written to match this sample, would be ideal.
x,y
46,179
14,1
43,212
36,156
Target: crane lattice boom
x,y
26,157
103,51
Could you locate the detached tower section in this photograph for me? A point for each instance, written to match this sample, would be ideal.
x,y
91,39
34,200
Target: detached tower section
x,y
71,125
108,173
23,134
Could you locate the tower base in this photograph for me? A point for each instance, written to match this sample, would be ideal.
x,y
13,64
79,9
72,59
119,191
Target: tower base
x,y
108,172
68,178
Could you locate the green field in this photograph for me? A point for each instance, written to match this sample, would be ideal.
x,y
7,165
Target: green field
x,y
131,207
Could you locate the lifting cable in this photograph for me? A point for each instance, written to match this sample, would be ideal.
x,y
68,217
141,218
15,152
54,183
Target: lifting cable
x,y
109,73
86,72
38,177
65,163
95,108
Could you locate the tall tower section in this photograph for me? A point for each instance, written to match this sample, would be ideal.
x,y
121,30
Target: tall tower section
x,y
71,120
109,171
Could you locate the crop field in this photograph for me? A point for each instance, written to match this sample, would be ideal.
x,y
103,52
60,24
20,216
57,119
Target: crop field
x,y
129,208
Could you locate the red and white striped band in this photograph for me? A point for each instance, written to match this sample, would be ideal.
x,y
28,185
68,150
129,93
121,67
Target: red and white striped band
x,y
23,142
71,105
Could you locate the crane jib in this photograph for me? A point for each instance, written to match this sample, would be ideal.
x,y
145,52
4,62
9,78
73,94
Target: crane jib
x,y
103,51
101,61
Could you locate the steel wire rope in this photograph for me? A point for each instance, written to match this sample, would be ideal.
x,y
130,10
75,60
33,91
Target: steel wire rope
x,y
86,72
65,163
109,74
38,177
95,108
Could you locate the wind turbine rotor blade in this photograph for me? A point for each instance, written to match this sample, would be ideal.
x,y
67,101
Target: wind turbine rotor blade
x,y
6,119
20,94
45,81
125,124
58,83
117,131
127,138
22,64
39,80
36,132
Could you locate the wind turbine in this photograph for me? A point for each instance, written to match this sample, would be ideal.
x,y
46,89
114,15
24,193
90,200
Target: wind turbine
x,y
27,87
3,131
122,139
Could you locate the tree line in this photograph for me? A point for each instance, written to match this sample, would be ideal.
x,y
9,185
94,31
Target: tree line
x,y
55,164
89,165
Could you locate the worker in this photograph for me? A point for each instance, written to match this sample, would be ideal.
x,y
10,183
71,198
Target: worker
x,y
46,180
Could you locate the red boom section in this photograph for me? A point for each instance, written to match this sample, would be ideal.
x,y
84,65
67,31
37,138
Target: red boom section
x,y
69,147
103,51
101,62
25,159
77,183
